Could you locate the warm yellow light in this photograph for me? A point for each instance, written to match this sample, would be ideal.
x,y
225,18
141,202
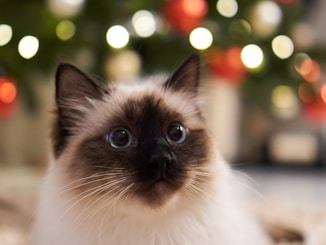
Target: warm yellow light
x,y
201,38
269,12
123,66
65,30
265,18
285,102
5,34
283,97
65,8
117,36
282,46
28,47
144,23
252,56
227,8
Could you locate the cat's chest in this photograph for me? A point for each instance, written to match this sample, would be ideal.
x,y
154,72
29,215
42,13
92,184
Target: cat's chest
x,y
122,233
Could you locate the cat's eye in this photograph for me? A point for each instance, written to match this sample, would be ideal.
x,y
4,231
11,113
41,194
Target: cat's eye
x,y
119,138
176,133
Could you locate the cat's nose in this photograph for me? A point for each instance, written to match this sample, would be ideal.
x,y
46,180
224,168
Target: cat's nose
x,y
160,160
160,157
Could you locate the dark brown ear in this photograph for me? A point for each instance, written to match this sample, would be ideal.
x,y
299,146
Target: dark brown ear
x,y
186,77
73,91
73,85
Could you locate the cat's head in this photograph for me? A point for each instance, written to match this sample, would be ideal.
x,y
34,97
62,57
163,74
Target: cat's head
x,y
145,142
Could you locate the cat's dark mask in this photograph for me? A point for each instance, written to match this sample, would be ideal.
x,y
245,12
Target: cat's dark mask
x,y
150,139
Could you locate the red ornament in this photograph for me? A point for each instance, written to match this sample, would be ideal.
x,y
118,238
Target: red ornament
x,y
315,111
185,15
8,96
227,64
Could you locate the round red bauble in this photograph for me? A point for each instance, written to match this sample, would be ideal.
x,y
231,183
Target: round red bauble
x,y
8,97
227,64
185,15
315,111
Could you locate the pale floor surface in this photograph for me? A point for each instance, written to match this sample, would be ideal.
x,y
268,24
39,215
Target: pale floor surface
x,y
305,186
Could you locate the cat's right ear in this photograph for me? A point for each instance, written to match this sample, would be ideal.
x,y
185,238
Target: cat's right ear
x,y
73,92
186,77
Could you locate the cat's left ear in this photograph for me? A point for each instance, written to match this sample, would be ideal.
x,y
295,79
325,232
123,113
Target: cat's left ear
x,y
74,89
186,77
74,85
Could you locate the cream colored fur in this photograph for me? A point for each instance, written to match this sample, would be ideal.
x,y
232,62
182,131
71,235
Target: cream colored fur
x,y
216,217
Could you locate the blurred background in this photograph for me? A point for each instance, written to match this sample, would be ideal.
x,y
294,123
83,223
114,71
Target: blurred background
x,y
265,79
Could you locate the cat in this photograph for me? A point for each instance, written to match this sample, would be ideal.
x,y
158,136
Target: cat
x,y
135,164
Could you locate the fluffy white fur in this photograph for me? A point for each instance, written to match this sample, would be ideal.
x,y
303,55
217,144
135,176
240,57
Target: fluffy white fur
x,y
216,217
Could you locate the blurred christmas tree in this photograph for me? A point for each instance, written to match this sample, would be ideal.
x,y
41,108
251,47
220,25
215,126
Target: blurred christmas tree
x,y
264,47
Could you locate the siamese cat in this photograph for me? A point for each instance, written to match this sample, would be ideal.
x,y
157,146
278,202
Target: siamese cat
x,y
135,165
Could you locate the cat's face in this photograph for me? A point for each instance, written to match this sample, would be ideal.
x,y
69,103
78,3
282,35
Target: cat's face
x,y
146,142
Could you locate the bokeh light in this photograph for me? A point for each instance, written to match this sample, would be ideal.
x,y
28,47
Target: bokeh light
x,y
269,12
185,15
227,8
285,102
65,30
123,66
283,97
144,23
28,46
201,38
197,8
117,36
282,46
5,34
227,64
304,35
266,17
65,8
252,56
323,92
8,91
310,70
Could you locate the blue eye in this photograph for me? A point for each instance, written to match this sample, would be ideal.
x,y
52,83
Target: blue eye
x,y
119,138
176,133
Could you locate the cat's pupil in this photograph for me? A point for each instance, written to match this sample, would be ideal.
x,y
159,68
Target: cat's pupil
x,y
176,133
119,138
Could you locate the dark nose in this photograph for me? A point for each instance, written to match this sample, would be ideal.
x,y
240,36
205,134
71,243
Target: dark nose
x,y
157,162
159,156
160,160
